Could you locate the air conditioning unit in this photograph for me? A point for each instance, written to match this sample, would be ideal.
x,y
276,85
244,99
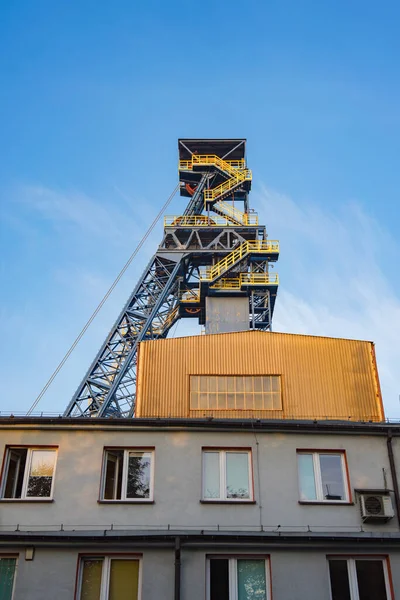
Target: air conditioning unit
x,y
376,508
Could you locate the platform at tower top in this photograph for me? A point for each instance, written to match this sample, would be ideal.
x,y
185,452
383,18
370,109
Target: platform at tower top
x,y
232,149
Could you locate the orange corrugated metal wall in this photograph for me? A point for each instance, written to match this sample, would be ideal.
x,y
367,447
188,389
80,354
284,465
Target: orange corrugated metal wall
x,y
321,377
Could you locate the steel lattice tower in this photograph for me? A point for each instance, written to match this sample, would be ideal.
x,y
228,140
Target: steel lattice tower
x,y
216,248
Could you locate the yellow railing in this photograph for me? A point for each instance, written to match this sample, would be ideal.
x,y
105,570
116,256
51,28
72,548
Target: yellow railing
x,y
245,279
236,169
226,186
259,246
233,213
205,221
205,159
191,296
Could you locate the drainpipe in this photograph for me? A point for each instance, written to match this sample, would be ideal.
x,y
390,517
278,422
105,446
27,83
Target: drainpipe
x,y
394,474
177,595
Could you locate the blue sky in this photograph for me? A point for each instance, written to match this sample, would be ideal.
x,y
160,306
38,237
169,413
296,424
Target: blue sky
x,y
93,98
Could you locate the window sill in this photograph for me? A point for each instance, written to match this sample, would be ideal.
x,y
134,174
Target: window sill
x,y
325,502
30,500
125,502
232,502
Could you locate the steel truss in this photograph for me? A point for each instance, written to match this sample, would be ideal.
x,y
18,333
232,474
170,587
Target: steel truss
x,y
172,280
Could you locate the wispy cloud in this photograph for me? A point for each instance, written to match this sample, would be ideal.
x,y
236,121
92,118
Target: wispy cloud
x,y
93,216
333,279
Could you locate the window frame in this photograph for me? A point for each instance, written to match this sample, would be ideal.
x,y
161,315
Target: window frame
x,y
222,475
126,449
352,572
232,570
105,572
6,463
235,408
16,557
316,452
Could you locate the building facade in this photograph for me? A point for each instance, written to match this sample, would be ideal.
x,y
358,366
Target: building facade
x,y
208,507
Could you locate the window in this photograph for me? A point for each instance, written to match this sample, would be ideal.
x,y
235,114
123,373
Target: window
x,y
128,475
237,578
235,392
359,578
29,473
227,475
322,477
109,578
7,575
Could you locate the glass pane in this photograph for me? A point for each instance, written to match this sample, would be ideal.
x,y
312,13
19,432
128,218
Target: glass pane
x,y
237,475
15,474
239,401
257,381
259,401
91,579
203,383
113,475
239,384
249,401
7,570
194,400
230,384
275,383
212,401
221,399
251,580
266,384
194,383
203,401
124,580
212,384
230,399
248,384
332,476
41,473
221,384
306,477
219,579
276,400
339,580
139,466
371,580
211,485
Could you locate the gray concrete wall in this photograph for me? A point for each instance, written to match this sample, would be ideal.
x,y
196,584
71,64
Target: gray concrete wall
x,y
224,315
177,491
52,574
295,575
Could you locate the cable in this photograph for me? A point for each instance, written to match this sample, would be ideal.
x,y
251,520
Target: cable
x,y
100,305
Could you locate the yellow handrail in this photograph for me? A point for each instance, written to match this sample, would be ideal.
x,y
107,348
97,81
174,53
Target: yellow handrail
x,y
240,217
260,246
235,169
191,295
205,221
246,279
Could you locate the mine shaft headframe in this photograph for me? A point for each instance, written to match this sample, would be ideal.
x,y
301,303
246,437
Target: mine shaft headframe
x,y
224,160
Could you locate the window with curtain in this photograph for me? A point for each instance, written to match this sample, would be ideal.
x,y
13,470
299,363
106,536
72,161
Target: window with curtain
x,y
109,578
359,578
7,575
29,473
128,474
238,578
235,392
322,476
227,475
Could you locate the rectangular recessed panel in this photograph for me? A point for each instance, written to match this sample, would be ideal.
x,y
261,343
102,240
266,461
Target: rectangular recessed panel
x,y
235,392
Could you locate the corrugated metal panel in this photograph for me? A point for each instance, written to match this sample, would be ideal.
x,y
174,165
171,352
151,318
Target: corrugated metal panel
x,y
322,377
